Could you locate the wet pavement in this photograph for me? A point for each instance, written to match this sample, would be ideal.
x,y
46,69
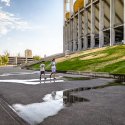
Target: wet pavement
x,y
59,102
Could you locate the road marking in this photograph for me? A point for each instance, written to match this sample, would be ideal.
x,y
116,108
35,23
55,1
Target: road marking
x,y
32,81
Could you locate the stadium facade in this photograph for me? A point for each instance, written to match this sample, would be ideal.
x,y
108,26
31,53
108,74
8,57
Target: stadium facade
x,y
93,23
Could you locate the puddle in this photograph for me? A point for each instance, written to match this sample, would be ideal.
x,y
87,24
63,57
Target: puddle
x,y
35,113
76,78
53,103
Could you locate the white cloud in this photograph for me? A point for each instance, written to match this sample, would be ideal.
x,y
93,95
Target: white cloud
x,y
9,21
7,2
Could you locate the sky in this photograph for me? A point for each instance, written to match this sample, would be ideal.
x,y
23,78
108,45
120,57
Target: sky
x,y
31,24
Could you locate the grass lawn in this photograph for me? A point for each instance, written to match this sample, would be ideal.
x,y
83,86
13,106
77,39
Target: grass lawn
x,y
110,59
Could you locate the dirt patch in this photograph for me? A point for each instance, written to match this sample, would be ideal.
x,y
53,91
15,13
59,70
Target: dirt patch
x,y
62,59
110,62
93,56
113,56
77,54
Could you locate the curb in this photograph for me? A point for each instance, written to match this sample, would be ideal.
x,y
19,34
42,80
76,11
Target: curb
x,y
92,74
11,113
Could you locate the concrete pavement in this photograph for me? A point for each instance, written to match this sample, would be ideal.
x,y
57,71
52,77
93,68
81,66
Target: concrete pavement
x,y
105,106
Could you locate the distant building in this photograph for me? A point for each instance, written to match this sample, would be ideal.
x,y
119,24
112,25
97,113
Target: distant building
x,y
45,56
19,60
12,60
28,53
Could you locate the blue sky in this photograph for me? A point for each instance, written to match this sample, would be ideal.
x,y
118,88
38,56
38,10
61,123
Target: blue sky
x,y
31,24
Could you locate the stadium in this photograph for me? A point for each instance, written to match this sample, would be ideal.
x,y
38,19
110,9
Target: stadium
x,y
93,23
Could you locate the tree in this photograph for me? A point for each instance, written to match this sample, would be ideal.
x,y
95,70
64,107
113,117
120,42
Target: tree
x,y
5,59
37,58
0,60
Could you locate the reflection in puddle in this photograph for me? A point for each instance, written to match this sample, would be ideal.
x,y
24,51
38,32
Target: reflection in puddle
x,y
32,81
53,103
69,97
37,112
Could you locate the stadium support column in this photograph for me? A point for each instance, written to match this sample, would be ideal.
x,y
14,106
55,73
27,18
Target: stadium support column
x,y
74,34
64,39
85,29
92,25
70,35
112,21
85,2
124,21
71,24
101,23
71,7
66,35
79,30
64,26
15,61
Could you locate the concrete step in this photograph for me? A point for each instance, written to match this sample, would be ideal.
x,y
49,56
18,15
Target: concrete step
x,y
8,116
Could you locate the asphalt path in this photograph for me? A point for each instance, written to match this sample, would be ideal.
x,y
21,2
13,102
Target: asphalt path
x,y
33,101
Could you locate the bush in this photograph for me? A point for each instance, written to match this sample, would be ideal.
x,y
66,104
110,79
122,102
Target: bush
x,y
5,59
0,60
37,58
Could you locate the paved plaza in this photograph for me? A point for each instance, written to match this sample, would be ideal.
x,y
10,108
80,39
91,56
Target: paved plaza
x,y
26,101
